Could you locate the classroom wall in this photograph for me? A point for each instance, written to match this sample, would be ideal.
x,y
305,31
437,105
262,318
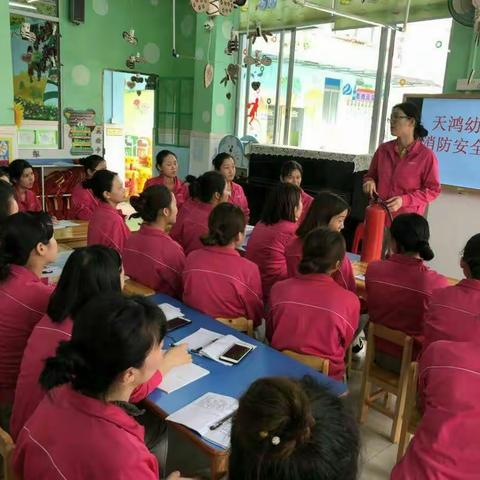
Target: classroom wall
x,y
86,50
454,216
6,84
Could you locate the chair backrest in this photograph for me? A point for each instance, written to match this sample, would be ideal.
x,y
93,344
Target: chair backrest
x,y
6,452
241,324
317,363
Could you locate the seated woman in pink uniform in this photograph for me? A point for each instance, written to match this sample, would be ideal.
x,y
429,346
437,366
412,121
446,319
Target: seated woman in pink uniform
x,y
151,256
85,426
310,313
446,443
83,201
292,172
89,271
167,166
327,210
225,164
216,279
23,179
276,229
107,225
400,287
27,245
8,204
206,192
453,312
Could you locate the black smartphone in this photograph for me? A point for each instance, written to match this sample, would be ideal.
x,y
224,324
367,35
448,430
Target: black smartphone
x,y
235,353
177,322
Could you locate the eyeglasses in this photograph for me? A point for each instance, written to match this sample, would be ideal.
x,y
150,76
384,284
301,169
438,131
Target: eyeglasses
x,y
394,118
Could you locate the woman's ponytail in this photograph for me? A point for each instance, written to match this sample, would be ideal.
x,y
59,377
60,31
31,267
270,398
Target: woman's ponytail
x,y
63,367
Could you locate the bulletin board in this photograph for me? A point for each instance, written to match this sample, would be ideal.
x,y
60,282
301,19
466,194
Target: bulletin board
x,y
453,124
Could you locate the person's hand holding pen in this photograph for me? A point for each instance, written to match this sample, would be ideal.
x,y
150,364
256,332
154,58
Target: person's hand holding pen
x,y
174,357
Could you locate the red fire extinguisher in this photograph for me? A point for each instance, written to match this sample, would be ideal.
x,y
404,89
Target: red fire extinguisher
x,y
375,219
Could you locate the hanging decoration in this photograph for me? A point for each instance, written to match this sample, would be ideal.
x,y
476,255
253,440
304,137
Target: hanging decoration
x,y
258,60
231,74
233,44
208,75
213,7
255,86
258,32
26,33
132,60
253,109
130,37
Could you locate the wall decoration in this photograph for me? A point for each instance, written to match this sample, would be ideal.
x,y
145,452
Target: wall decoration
x,y
26,138
6,150
45,138
252,113
258,32
266,4
232,44
36,74
130,37
208,75
82,123
132,60
231,74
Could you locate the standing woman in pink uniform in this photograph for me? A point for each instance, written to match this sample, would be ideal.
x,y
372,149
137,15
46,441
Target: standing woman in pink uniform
x,y
225,164
404,172
167,166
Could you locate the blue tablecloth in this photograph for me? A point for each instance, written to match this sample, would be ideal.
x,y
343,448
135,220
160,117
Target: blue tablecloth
x,y
263,361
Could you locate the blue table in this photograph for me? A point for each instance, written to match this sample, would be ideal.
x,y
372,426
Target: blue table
x,y
263,361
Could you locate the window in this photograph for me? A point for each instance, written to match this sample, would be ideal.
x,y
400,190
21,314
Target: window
x,y
48,8
429,40
175,111
319,92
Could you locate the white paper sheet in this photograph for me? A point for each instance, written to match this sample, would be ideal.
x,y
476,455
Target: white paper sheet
x,y
199,339
64,224
170,311
181,376
206,411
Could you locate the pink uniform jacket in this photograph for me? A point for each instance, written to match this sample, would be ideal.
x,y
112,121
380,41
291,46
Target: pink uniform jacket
x,y
107,227
446,444
221,283
84,203
398,292
43,343
154,259
306,202
75,437
180,189
414,177
30,204
237,197
344,276
192,223
23,302
454,313
266,248
313,315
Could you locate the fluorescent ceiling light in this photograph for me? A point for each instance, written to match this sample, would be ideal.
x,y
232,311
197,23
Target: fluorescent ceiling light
x,y
21,5
336,13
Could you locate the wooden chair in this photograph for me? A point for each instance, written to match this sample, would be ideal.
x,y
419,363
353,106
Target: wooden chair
x,y
317,363
6,452
386,381
412,415
241,324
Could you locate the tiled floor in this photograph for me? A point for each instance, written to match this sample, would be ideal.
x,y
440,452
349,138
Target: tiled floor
x,y
378,454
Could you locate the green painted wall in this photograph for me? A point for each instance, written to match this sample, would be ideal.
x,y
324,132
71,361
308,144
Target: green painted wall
x,y
459,60
213,112
6,84
88,49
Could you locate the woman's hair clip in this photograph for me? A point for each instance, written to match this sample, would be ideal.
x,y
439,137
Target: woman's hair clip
x,y
275,440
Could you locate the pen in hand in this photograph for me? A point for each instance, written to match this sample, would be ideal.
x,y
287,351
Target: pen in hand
x,y
221,421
